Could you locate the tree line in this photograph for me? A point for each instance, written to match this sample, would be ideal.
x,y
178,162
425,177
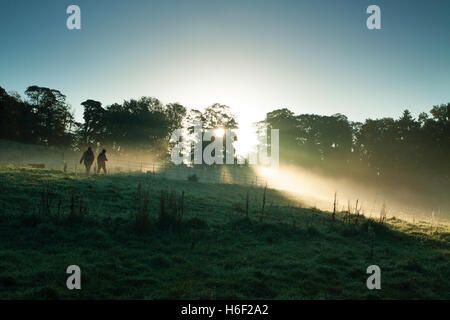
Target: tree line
x,y
145,125
382,149
387,150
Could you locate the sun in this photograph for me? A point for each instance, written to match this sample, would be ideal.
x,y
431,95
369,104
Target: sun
x,y
219,132
245,139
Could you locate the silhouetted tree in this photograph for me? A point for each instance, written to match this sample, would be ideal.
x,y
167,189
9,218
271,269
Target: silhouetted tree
x,y
54,119
389,151
143,125
17,119
216,116
93,130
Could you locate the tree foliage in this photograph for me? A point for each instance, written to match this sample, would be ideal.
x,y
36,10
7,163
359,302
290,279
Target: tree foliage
x,y
404,149
44,118
385,149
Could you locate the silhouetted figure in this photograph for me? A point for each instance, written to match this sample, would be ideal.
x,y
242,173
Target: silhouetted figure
x,y
101,161
88,158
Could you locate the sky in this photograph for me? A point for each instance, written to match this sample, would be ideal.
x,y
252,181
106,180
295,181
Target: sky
x,y
254,56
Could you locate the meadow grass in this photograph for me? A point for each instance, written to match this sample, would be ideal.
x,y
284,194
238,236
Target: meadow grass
x,y
205,245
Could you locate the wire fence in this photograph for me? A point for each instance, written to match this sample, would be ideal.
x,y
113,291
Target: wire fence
x,y
229,174
223,174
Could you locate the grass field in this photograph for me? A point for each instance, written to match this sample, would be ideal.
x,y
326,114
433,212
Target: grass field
x,y
140,236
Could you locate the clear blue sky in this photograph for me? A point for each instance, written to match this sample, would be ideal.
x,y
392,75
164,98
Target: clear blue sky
x,y
255,56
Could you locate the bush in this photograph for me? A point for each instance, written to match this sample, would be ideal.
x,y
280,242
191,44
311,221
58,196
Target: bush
x,y
378,227
142,221
171,211
78,209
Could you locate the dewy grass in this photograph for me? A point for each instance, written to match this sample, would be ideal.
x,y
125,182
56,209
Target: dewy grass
x,y
134,241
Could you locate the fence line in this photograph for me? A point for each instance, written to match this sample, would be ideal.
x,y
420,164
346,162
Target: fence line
x,y
223,174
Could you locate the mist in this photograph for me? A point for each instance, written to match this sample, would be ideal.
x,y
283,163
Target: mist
x,y
314,189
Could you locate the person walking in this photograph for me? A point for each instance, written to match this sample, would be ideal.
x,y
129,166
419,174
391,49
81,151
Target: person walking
x,y
101,161
88,158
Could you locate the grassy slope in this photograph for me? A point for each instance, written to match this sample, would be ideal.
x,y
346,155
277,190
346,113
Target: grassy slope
x,y
216,254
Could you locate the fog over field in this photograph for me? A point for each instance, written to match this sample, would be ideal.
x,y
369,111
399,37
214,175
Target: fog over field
x,y
225,150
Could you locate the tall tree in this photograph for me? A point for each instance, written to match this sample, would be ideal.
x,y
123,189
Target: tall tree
x,y
93,129
53,114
